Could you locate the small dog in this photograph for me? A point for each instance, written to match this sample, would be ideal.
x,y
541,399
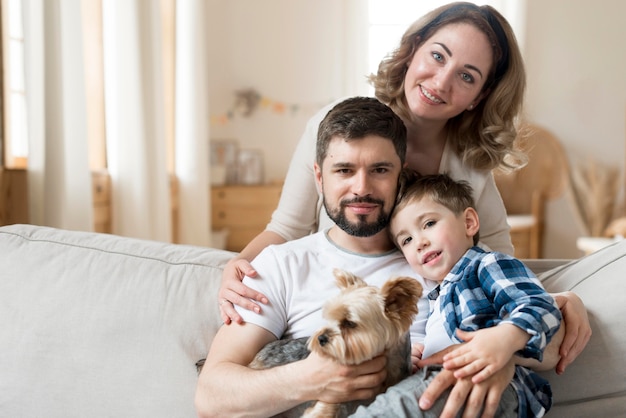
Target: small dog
x,y
362,322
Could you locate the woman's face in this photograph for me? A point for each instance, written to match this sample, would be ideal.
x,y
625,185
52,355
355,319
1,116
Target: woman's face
x,y
447,72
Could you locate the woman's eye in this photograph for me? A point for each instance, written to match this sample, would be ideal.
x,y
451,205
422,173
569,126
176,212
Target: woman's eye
x,y
437,56
467,78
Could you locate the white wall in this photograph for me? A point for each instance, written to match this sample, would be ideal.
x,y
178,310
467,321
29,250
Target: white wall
x,y
576,65
293,52
296,51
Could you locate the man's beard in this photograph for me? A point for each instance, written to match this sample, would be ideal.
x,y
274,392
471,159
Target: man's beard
x,y
361,228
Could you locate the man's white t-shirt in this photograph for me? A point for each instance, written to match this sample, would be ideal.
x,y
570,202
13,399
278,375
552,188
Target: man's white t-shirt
x,y
297,278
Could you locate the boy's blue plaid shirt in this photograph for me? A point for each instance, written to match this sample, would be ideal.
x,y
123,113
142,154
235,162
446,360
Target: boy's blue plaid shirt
x,y
486,288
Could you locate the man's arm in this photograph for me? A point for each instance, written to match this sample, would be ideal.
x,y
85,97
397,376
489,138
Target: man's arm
x,y
227,387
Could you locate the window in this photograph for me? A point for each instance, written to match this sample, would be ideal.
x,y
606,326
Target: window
x,y
14,127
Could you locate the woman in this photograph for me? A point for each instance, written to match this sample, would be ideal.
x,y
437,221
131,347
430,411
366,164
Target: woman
x,y
457,80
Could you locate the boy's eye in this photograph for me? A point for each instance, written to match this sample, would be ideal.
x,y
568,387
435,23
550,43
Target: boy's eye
x,y
405,241
429,224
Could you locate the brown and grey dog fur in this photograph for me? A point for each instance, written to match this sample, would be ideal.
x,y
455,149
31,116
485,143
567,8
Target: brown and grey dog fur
x,y
363,321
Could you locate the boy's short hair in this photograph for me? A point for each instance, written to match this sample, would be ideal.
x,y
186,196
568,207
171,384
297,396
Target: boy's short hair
x,y
356,118
441,188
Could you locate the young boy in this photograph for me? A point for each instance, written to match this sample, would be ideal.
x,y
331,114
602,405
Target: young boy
x,y
436,227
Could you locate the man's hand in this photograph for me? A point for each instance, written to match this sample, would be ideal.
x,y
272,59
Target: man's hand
x,y
340,383
577,328
483,396
474,397
233,291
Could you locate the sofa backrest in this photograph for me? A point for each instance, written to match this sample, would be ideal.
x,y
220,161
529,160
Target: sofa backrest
x,y
98,325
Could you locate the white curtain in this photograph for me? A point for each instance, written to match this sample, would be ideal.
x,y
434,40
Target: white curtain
x,y
59,175
135,119
192,122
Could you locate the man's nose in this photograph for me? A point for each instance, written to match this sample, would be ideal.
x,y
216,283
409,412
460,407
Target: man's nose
x,y
361,185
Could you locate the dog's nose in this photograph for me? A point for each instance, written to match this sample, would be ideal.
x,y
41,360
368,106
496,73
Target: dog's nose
x,y
322,339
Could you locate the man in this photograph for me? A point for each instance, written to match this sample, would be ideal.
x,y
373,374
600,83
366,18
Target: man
x,y
360,154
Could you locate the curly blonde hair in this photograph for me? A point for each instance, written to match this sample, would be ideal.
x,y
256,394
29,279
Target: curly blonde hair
x,y
484,137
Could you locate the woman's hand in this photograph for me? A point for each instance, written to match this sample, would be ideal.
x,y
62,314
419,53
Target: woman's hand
x,y
233,291
577,328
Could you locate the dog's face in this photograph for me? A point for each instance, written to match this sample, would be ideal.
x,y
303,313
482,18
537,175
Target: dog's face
x,y
363,320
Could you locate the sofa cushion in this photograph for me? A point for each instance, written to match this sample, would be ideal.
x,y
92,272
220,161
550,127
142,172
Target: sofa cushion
x,y
595,384
98,325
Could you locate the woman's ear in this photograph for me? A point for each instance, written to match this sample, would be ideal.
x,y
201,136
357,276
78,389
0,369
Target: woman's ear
x,y
472,224
477,100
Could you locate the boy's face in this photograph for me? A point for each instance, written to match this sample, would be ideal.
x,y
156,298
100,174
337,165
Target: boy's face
x,y
359,179
432,237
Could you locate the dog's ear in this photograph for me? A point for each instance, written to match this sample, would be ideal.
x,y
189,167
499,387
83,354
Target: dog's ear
x,y
346,280
401,296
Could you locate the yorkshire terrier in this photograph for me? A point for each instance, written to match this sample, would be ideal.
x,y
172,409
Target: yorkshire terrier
x,y
362,322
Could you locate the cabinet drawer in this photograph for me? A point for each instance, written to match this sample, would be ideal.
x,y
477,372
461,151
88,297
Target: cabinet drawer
x,y
243,210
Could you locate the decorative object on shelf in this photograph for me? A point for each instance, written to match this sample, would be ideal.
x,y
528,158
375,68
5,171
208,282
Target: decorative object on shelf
x,y
250,166
223,161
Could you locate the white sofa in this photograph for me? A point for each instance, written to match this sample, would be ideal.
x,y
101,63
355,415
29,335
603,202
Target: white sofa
x,y
97,325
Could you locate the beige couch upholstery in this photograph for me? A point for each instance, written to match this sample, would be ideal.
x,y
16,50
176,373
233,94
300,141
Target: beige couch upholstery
x,y
98,325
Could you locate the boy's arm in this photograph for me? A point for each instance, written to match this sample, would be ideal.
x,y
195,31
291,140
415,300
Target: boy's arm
x,y
228,387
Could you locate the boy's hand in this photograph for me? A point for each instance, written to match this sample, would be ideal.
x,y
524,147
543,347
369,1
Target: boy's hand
x,y
417,350
485,352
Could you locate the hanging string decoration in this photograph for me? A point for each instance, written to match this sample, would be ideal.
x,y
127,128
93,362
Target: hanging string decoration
x,y
248,101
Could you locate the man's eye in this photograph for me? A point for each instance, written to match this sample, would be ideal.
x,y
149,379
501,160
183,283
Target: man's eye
x,y
381,170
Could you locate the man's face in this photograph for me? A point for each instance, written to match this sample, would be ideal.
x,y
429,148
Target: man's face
x,y
359,180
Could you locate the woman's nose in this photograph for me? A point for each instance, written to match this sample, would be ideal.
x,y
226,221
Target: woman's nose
x,y
443,79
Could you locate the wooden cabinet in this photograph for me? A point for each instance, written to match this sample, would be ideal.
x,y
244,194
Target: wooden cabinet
x,y
243,210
